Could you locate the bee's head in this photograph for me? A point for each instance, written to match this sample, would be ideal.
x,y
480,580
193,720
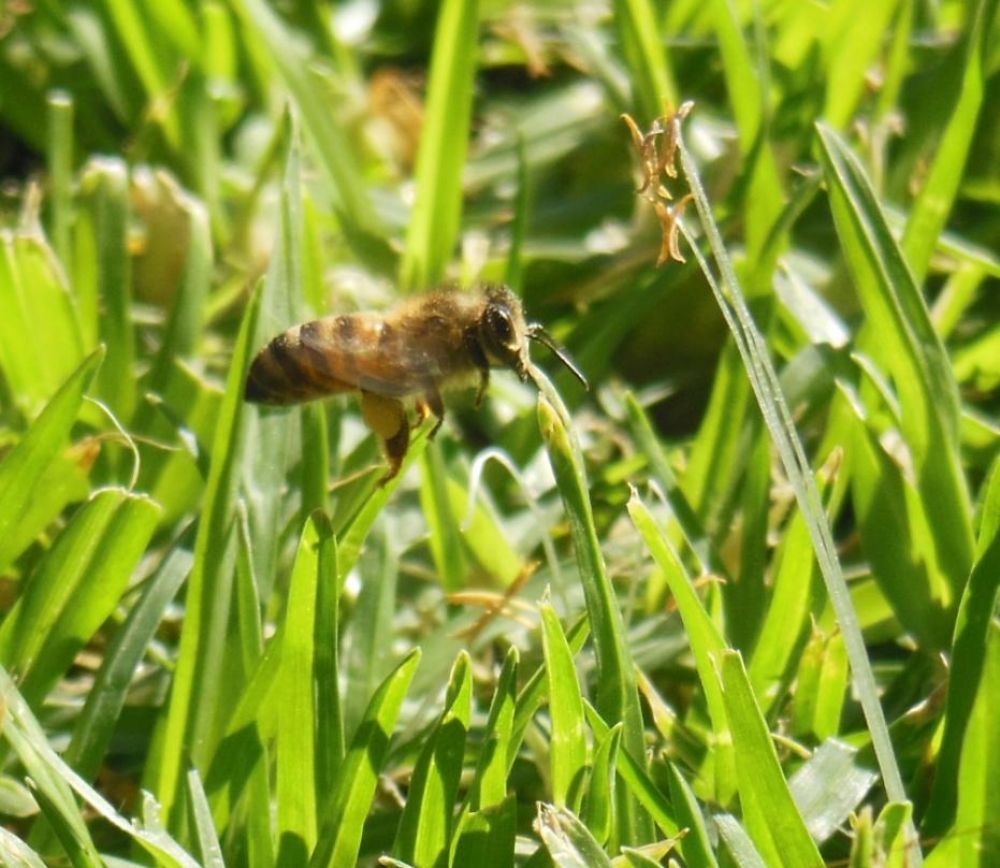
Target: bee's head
x,y
504,335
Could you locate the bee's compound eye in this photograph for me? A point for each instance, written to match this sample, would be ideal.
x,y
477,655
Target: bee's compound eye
x,y
501,326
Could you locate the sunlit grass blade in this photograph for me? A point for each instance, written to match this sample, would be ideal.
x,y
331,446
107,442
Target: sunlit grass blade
x,y
568,741
298,753
781,427
53,777
335,149
909,352
209,849
695,846
75,588
617,697
41,342
424,835
770,813
105,215
642,45
854,41
196,708
59,156
974,838
568,840
706,643
442,525
748,80
490,784
434,223
599,807
269,433
24,467
633,773
349,804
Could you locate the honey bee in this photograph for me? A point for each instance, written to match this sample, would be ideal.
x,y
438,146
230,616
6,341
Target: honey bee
x,y
428,344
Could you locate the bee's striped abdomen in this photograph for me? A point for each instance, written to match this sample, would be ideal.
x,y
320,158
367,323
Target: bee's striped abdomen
x,y
300,364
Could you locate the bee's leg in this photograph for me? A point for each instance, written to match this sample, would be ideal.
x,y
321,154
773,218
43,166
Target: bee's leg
x,y
431,401
387,418
484,381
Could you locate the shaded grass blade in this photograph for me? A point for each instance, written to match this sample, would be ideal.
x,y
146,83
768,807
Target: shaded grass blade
x,y
965,80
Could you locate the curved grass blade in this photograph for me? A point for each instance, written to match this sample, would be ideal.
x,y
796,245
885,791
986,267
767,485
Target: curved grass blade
x,y
24,467
75,588
911,353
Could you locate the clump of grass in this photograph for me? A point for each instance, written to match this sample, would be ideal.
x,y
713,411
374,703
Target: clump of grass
x,y
738,598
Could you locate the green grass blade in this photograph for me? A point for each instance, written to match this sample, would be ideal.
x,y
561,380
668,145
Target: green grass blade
x,y
24,467
105,215
490,784
59,782
442,525
781,427
969,655
487,838
269,433
96,723
568,741
975,836
41,342
695,846
617,696
59,156
195,707
911,354
297,760
568,840
434,224
770,813
965,83
854,39
340,837
706,641
424,835
599,807
642,44
75,588
209,849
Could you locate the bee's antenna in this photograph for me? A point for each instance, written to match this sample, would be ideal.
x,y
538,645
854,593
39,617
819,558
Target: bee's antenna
x,y
538,333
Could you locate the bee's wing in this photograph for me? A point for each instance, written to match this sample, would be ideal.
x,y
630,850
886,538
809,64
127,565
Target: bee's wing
x,y
367,352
